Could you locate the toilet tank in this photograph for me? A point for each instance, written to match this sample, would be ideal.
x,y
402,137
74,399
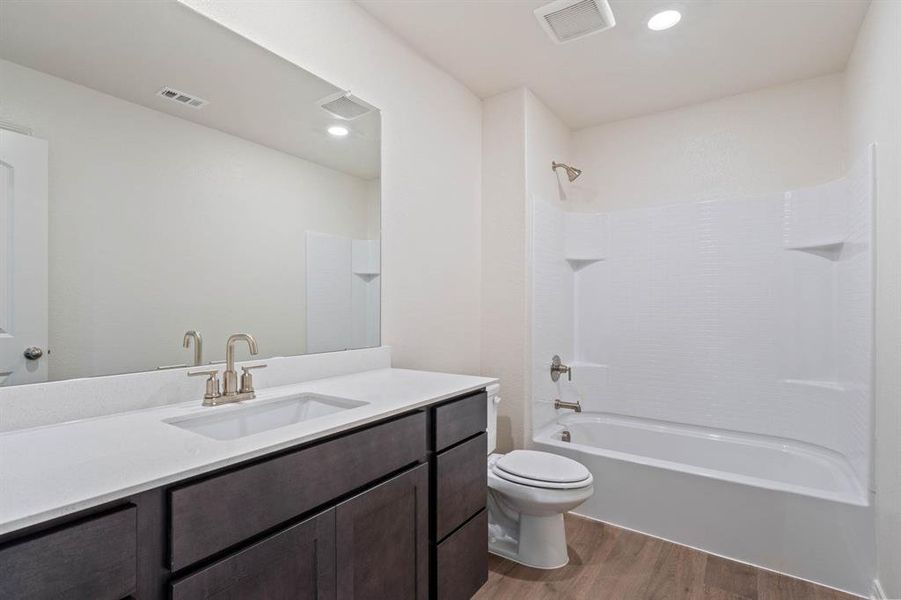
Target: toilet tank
x,y
493,400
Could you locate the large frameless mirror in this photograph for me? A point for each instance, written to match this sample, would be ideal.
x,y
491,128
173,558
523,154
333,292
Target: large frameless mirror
x,y
164,183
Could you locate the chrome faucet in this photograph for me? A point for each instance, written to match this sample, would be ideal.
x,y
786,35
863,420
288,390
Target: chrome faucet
x,y
230,390
576,406
198,345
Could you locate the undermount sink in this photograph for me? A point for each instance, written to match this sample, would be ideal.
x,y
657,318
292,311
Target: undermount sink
x,y
240,420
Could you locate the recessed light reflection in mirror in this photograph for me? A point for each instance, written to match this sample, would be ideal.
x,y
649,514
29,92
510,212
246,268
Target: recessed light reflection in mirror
x,y
338,130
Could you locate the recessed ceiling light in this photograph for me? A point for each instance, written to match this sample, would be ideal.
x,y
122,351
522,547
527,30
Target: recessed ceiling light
x,y
338,130
664,20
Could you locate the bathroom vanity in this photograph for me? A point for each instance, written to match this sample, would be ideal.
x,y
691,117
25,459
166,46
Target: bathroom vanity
x,y
119,476
390,508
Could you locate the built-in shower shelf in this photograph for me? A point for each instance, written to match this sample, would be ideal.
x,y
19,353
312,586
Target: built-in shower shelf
x,y
824,384
366,275
830,249
580,263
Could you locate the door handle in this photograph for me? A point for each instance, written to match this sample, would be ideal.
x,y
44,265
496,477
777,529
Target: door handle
x,y
33,353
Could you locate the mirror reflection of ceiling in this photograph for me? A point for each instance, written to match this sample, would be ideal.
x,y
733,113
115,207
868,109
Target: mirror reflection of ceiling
x,y
132,50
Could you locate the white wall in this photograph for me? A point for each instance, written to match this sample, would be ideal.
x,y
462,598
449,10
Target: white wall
x,y
778,138
873,82
520,139
504,239
431,159
159,225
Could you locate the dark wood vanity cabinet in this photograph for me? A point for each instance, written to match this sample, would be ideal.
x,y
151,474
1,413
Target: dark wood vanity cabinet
x,y
258,497
390,510
298,562
459,527
371,546
91,558
382,540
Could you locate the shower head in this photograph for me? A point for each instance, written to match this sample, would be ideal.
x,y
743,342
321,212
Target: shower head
x,y
571,172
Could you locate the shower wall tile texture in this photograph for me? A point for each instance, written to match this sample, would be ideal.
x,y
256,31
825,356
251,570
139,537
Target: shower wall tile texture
x,y
552,309
751,315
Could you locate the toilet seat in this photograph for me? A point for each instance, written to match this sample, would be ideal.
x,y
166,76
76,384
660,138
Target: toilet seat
x,y
542,470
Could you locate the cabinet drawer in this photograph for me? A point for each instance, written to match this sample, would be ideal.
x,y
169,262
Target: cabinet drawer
x,y
93,559
462,562
212,515
298,562
458,420
461,481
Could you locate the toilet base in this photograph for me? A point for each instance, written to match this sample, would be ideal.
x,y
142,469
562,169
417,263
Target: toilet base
x,y
537,542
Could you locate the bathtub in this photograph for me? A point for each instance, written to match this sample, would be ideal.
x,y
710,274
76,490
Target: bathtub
x,y
779,504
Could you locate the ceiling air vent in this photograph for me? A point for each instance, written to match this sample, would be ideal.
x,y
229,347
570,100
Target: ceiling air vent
x,y
182,98
345,106
568,20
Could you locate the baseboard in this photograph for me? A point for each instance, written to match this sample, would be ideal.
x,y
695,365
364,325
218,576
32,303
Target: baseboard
x,y
878,593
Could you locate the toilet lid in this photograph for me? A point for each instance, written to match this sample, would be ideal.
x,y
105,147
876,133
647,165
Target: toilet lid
x,y
542,467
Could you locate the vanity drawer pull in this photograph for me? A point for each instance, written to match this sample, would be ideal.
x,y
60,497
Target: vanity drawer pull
x,y
460,419
216,513
461,484
95,558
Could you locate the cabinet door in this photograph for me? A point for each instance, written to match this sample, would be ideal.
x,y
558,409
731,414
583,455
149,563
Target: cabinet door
x,y
382,540
295,564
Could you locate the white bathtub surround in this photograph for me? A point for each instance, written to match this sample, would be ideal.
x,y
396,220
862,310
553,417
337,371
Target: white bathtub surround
x,y
342,292
777,504
746,315
62,468
59,401
723,349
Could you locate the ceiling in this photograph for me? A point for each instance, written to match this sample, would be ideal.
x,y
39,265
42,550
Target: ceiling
x,y
720,48
131,50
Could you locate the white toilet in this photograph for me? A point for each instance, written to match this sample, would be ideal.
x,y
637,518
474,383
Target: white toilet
x,y
528,492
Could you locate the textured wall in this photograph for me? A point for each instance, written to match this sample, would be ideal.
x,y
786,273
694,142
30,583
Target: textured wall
x,y
552,310
750,315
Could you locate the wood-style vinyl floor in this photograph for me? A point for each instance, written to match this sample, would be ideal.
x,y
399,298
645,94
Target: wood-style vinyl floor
x,y
608,563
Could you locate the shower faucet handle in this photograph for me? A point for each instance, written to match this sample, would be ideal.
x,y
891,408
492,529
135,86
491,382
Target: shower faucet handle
x,y
557,367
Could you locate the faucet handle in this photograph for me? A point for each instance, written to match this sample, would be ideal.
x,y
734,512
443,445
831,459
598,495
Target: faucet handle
x,y
212,384
247,378
557,367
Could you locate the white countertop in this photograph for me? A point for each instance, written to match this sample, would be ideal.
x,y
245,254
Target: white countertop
x,y
50,471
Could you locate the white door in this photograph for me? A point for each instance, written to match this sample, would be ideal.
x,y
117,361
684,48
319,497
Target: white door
x,y
23,259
